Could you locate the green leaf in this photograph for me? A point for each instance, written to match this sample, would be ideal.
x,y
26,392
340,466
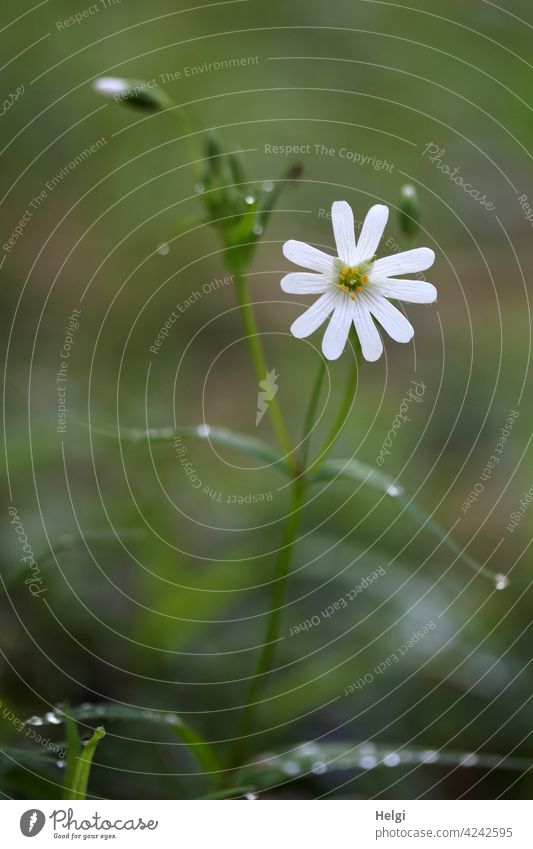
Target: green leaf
x,y
230,792
320,758
82,769
199,747
270,199
423,518
355,470
249,445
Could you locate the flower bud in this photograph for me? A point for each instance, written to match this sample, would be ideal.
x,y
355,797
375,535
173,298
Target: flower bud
x,y
409,211
136,93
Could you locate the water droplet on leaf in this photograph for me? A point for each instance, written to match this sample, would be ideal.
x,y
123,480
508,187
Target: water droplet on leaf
x,y
163,249
393,759
291,768
52,718
501,581
319,768
469,760
34,720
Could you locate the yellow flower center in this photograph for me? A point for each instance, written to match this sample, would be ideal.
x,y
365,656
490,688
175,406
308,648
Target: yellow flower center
x,y
353,279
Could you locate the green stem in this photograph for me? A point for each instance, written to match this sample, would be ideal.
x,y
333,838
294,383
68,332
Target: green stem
x,y
260,366
266,656
189,136
311,411
339,422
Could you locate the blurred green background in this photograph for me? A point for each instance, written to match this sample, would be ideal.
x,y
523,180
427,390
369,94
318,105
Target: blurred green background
x,y
163,605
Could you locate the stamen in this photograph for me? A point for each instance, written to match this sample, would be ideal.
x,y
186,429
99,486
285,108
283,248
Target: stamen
x,y
353,279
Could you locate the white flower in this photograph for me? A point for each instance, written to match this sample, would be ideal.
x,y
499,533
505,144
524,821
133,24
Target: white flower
x,y
354,285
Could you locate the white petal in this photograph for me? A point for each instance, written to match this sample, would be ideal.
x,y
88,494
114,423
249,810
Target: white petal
x,y
308,257
371,232
390,318
343,230
405,263
371,344
315,315
414,291
305,283
336,334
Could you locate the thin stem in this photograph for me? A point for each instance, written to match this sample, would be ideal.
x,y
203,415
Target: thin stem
x,y
190,137
339,422
311,411
260,366
266,657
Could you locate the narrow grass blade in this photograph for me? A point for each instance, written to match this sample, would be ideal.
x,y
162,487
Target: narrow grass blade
x,y
82,769
321,758
249,445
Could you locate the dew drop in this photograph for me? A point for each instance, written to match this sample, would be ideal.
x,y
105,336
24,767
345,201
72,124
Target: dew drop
x,y
268,185
470,760
199,187
394,490
34,720
430,757
291,768
368,761
393,759
249,199
251,797
319,768
501,581
52,718
163,249
308,750
60,764
203,430
258,230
